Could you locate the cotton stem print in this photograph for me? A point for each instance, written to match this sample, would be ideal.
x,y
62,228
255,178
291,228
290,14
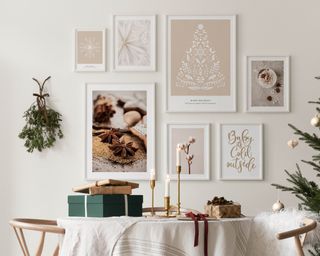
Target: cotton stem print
x,y
186,149
200,67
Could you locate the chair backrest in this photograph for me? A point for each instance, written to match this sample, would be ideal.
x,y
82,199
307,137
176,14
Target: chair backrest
x,y
43,226
299,234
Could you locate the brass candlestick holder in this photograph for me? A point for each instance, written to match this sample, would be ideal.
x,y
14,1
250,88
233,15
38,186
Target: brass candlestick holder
x,y
152,185
179,202
167,205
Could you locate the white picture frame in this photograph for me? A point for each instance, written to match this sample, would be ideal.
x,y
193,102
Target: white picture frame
x,y
202,144
221,95
90,50
264,97
117,96
143,42
241,152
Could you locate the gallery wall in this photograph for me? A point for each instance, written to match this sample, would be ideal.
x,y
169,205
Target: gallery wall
x,y
36,40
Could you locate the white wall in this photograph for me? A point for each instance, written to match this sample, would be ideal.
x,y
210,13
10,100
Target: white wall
x,y
36,40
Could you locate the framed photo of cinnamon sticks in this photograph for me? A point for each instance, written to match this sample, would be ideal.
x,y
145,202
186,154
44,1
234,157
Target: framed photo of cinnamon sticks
x,y
194,156
119,131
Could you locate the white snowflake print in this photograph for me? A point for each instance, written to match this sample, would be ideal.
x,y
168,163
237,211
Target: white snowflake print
x,y
90,47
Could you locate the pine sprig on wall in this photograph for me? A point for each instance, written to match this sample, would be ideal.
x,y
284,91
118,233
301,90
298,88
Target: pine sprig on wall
x,y
42,126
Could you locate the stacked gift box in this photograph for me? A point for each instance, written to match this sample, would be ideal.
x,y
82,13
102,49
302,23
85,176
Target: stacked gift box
x,y
105,198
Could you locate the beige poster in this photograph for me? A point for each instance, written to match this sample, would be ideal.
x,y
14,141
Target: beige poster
x,y
89,47
181,135
200,57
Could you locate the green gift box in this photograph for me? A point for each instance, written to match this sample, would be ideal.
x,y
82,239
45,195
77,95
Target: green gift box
x,y
105,205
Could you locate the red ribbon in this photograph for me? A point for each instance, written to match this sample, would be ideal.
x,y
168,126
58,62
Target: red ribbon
x,y
196,218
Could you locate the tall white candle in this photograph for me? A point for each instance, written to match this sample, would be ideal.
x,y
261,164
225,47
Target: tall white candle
x,y
152,174
167,187
178,158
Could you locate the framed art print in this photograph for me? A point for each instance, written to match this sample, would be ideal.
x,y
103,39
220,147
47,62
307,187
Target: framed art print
x,y
119,131
241,152
201,64
195,164
268,87
134,43
90,50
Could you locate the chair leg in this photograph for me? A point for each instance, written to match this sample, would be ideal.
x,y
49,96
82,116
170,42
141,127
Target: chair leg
x,y
22,241
56,251
40,247
298,246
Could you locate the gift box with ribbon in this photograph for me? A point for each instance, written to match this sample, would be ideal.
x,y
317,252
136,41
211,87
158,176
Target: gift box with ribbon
x,y
105,205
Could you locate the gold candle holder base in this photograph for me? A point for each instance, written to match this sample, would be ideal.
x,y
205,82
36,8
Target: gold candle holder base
x,y
152,186
167,207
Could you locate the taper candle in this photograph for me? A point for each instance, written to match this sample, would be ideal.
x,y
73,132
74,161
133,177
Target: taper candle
x,y
167,187
178,155
152,174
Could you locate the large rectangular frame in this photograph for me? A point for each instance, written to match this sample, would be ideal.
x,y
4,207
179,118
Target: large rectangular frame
x,y
202,103
150,90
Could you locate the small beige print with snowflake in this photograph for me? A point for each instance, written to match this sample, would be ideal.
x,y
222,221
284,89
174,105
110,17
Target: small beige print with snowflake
x,y
200,57
89,47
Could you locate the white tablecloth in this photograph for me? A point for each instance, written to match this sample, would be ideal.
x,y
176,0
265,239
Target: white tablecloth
x,y
153,237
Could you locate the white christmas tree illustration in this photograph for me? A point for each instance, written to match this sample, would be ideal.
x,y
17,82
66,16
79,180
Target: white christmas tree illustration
x,y
200,68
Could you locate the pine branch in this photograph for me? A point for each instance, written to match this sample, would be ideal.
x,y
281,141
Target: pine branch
x,y
306,191
311,140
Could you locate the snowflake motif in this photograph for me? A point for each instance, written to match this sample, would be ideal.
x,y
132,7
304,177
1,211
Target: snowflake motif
x,y
134,43
200,69
90,47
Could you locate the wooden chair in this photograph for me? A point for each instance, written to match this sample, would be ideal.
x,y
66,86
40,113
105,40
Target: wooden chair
x,y
43,226
299,234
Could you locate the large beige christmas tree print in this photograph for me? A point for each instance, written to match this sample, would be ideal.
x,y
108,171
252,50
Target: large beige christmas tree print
x,y
200,67
200,58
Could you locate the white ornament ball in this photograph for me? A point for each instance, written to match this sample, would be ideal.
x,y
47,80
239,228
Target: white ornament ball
x,y
315,121
293,143
277,206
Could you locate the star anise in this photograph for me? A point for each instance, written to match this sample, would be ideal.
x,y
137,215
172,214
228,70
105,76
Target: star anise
x,y
109,136
120,148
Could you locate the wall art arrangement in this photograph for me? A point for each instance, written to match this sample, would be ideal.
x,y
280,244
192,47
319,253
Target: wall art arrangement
x,y
134,43
120,131
195,162
268,85
200,77
241,152
201,63
90,50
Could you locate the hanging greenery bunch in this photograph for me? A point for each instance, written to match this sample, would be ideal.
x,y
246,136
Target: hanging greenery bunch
x,y
43,124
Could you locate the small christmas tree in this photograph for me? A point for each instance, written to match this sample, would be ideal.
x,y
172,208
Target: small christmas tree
x,y
200,68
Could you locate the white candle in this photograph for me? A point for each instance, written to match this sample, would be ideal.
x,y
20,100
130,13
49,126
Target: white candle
x,y
167,187
152,174
178,158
